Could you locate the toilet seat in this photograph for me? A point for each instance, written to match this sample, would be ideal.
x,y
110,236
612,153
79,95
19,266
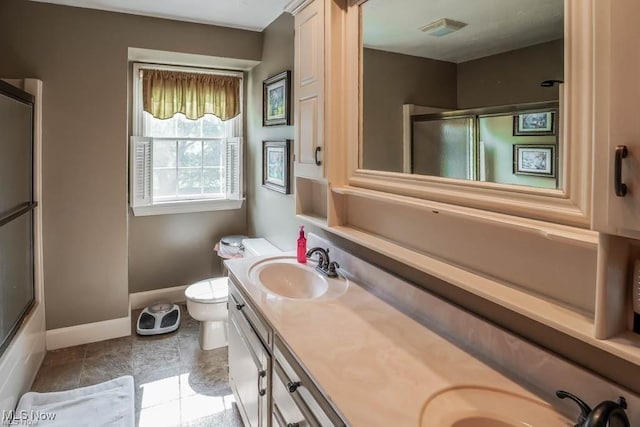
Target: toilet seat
x,y
208,291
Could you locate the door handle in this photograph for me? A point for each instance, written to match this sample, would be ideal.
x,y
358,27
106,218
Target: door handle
x,y
619,186
318,162
293,386
261,374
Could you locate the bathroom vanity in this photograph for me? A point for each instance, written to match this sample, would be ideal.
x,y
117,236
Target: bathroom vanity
x,y
270,386
332,352
563,238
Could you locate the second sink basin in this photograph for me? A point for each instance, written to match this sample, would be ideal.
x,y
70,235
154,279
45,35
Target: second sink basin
x,y
285,277
475,406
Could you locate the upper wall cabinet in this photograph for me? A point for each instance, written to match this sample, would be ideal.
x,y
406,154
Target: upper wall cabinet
x,y
309,77
616,119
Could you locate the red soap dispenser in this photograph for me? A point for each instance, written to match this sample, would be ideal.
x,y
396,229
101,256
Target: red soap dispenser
x,y
302,246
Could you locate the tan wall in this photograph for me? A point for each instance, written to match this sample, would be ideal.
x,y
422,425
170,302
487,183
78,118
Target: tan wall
x,y
81,56
270,214
511,77
390,80
174,250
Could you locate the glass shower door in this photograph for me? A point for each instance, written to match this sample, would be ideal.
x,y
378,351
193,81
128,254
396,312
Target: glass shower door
x,y
444,147
17,293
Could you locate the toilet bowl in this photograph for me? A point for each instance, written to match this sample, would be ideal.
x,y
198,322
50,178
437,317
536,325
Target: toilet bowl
x,y
207,303
207,299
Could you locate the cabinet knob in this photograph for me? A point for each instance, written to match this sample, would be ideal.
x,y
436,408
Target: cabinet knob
x,y
262,392
619,187
293,386
239,306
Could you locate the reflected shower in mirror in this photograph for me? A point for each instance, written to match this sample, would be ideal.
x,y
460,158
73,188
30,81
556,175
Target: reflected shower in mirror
x,y
463,90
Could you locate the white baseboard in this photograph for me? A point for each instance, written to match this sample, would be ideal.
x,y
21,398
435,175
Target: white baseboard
x,y
89,332
143,299
113,328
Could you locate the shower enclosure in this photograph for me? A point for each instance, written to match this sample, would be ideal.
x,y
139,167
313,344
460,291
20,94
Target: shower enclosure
x,y
17,293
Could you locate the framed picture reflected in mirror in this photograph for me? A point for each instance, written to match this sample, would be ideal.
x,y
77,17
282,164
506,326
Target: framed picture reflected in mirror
x,y
533,124
534,160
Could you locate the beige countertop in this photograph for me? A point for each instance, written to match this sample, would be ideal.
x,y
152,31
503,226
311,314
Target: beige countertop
x,y
377,365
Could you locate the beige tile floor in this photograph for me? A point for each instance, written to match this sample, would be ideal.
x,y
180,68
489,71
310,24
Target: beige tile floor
x,y
176,383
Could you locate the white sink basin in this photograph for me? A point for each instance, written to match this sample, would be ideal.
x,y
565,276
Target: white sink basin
x,y
285,277
474,406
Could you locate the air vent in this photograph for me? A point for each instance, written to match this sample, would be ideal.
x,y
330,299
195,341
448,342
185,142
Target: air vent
x,y
442,27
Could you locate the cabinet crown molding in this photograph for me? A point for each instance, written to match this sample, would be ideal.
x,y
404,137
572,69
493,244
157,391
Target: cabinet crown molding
x,y
295,6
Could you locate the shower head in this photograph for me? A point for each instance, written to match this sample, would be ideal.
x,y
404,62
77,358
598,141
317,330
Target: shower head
x,y
550,83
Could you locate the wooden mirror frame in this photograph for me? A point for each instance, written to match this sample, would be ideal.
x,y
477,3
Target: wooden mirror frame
x,y
570,205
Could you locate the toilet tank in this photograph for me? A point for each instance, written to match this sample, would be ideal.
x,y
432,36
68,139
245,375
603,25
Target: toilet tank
x,y
259,247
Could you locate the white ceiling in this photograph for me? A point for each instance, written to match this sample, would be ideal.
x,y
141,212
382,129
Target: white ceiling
x,y
246,14
494,26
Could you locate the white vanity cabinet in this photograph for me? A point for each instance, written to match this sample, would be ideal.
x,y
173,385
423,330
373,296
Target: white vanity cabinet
x,y
270,386
617,129
249,363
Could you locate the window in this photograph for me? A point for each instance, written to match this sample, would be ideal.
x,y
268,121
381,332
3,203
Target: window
x,y
181,164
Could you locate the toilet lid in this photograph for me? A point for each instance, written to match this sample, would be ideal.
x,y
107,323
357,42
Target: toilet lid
x,y
208,290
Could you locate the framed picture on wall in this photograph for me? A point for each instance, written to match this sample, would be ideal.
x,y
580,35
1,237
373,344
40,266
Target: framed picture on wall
x,y
537,160
539,123
276,165
276,106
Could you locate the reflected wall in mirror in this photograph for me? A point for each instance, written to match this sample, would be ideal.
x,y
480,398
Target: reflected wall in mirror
x,y
452,87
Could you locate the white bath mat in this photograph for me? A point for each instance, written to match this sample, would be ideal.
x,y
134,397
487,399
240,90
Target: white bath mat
x,y
107,404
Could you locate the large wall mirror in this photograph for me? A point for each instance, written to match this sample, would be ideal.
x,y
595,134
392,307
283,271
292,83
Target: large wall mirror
x,y
461,89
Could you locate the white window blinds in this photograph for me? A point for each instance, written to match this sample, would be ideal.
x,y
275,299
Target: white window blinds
x,y
234,169
142,175
141,179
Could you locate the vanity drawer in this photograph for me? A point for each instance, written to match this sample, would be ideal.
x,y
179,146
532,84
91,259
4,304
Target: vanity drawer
x,y
310,402
285,411
238,303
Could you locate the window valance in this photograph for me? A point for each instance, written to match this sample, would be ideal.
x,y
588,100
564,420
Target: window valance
x,y
166,93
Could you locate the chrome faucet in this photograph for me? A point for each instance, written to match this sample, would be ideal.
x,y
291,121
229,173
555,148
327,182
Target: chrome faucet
x,y
325,265
606,414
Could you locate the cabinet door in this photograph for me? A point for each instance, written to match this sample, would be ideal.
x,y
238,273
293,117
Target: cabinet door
x,y
617,121
244,374
309,91
248,371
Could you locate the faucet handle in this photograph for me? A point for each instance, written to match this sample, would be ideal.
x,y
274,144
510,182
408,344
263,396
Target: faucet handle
x,y
609,413
585,409
331,270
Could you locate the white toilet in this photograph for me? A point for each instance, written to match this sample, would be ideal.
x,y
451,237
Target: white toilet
x,y
207,299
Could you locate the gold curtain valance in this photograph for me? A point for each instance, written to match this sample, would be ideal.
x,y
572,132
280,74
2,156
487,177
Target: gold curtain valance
x,y
166,93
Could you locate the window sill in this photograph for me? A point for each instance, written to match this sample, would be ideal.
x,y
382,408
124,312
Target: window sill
x,y
187,206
